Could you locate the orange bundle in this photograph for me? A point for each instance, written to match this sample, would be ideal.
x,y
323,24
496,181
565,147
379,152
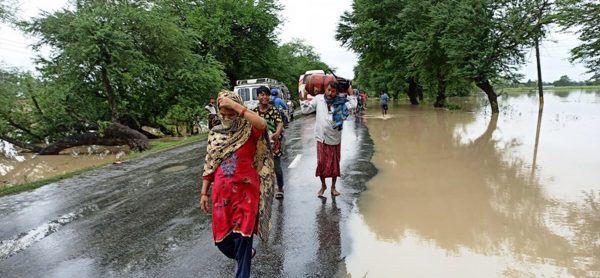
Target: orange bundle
x,y
314,84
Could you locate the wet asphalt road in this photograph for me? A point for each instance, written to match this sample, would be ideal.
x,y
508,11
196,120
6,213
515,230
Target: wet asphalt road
x,y
141,218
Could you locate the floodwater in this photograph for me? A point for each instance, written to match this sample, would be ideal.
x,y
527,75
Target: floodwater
x,y
471,194
21,168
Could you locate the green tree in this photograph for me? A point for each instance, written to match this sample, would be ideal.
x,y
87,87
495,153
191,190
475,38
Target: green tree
x,y
118,62
124,59
563,81
582,17
294,59
423,44
438,44
7,10
375,30
17,110
239,34
485,40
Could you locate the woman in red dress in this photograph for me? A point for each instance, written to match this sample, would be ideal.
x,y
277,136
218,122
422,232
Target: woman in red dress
x,y
239,165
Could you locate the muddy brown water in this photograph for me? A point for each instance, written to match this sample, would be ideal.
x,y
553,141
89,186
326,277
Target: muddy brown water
x,y
468,194
28,167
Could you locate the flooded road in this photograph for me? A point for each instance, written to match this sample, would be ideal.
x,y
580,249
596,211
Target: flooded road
x,y
141,218
468,194
425,193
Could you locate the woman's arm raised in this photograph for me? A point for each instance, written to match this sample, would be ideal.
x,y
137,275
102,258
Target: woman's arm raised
x,y
254,119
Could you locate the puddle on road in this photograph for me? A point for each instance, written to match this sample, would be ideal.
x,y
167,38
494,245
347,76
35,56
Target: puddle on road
x,y
462,194
172,169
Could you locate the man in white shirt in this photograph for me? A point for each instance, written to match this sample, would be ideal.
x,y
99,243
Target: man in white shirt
x,y
331,111
213,120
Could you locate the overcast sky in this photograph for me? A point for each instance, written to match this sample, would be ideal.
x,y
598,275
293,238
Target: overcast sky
x,y
313,21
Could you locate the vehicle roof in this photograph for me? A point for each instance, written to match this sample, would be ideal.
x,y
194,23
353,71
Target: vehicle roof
x,y
264,80
314,71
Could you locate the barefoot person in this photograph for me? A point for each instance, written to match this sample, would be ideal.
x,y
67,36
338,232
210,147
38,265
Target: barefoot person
x,y
239,165
331,111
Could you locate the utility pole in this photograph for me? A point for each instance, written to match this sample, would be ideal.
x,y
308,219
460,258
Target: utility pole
x,y
539,73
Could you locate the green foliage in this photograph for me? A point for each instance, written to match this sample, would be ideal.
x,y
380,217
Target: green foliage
x,y
487,39
240,34
440,44
294,59
453,106
22,108
375,30
122,62
7,10
141,63
583,17
563,81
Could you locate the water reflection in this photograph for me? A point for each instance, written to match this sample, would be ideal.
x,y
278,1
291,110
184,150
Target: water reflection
x,y
537,137
328,235
458,195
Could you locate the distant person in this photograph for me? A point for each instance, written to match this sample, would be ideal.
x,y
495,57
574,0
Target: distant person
x,y
359,100
383,102
239,165
280,105
275,129
213,119
363,95
331,111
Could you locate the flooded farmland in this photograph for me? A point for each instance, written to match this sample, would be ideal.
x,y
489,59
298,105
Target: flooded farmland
x,y
471,194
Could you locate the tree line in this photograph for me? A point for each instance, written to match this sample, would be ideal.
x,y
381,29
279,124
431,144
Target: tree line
x,y
117,66
563,81
438,48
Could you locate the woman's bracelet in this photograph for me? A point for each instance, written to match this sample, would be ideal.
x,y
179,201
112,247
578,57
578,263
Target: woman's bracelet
x,y
243,112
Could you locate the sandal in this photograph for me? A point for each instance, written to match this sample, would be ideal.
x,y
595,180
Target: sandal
x,y
279,195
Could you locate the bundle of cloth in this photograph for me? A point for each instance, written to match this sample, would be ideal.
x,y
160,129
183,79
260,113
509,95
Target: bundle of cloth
x,y
339,110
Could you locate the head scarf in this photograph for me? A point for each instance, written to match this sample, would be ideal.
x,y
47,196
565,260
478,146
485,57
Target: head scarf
x,y
224,141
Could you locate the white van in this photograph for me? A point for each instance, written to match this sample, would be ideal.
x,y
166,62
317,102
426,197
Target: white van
x,y
246,89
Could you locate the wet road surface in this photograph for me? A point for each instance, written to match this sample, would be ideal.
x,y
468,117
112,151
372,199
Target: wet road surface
x,y
141,218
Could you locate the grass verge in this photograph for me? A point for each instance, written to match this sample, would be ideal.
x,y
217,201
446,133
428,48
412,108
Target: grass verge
x,y
165,144
155,146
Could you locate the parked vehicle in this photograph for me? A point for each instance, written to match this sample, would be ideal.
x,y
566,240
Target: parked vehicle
x,y
246,89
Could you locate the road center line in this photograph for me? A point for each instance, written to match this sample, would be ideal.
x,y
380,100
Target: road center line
x,y
295,161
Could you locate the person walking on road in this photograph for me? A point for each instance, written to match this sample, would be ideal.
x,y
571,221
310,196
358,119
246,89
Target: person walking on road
x,y
331,111
275,129
213,119
280,105
239,165
383,102
363,95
